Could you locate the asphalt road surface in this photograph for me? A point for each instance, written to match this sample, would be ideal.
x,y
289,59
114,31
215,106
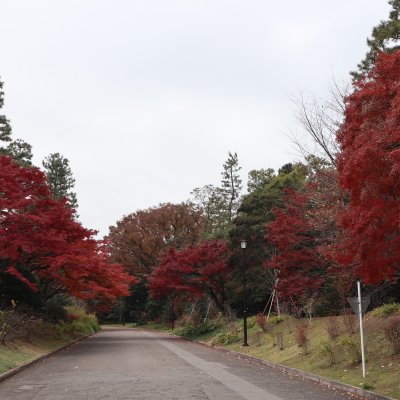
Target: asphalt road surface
x,y
125,364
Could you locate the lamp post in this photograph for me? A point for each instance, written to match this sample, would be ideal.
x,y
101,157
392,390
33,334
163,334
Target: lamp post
x,y
243,245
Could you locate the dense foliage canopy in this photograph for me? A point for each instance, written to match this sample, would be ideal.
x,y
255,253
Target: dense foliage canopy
x,y
44,248
369,169
193,272
139,240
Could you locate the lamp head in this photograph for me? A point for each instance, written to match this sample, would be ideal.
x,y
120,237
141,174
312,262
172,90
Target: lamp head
x,y
243,244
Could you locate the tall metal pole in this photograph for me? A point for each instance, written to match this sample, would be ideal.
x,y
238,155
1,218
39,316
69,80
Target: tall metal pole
x,y
361,328
244,245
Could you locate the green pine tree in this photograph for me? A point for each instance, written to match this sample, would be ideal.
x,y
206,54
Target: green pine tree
x,y
254,214
60,179
21,152
231,185
220,204
17,149
258,178
385,37
5,128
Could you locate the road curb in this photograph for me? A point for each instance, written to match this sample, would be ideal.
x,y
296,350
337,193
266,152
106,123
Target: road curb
x,y
365,394
16,370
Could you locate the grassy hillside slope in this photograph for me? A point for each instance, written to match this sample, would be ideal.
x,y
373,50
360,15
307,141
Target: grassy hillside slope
x,y
26,338
329,347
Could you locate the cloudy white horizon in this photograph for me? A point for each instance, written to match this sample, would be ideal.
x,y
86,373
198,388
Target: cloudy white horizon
x,y
146,98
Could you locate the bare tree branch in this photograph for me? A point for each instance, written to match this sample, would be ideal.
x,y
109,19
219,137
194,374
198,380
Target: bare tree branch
x,y
320,121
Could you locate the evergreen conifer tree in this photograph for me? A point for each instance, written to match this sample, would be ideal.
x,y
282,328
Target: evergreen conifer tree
x,y
220,204
21,152
60,179
17,149
5,128
385,38
231,185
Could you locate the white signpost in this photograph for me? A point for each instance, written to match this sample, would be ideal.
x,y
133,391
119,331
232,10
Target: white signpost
x,y
359,305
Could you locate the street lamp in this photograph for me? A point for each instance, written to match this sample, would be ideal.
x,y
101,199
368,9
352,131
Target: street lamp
x,y
243,245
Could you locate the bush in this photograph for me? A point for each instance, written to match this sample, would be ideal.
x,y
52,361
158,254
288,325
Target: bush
x,y
328,351
226,337
73,313
5,326
279,340
349,322
14,325
386,310
261,321
258,338
251,321
275,319
392,332
195,330
352,349
332,328
302,337
78,321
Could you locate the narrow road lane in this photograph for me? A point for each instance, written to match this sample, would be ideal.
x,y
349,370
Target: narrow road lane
x,y
132,364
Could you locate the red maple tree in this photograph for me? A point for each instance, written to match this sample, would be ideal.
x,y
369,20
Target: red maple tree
x,y
291,233
193,272
369,169
307,237
42,246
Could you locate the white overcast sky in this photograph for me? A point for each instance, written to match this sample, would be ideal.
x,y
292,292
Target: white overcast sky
x,y
146,98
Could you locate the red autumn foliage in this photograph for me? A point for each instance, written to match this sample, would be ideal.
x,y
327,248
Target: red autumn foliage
x,y
293,236
369,169
193,272
139,240
261,321
308,238
43,246
326,202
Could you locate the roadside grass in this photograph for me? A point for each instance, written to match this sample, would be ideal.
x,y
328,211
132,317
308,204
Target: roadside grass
x,y
46,337
11,357
20,352
336,358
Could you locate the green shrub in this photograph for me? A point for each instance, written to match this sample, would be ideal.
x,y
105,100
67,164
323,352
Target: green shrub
x,y
367,386
386,310
195,330
251,321
327,350
78,321
351,348
59,329
275,319
79,326
225,337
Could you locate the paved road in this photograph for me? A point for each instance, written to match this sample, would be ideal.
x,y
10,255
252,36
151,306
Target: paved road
x,y
131,364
